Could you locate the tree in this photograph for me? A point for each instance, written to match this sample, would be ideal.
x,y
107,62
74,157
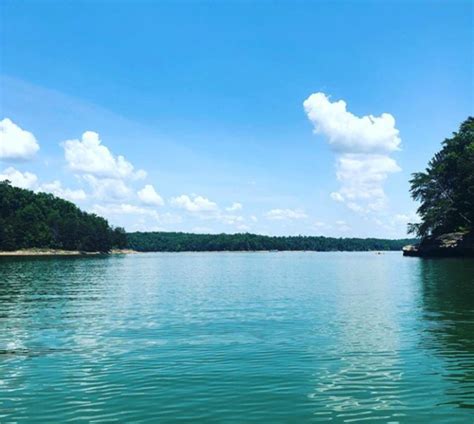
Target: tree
x,y
29,219
446,188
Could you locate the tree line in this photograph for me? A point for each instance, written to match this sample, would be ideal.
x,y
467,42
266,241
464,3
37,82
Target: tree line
x,y
41,220
181,242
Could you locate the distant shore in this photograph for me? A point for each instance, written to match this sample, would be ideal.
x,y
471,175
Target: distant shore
x,y
60,252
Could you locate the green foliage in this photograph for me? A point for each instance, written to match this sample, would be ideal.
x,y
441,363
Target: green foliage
x,y
41,220
179,242
446,188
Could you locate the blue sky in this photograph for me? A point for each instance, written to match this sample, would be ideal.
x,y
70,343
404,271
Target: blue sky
x,y
206,98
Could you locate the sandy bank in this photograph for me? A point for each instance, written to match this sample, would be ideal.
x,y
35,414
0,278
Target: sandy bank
x,y
59,252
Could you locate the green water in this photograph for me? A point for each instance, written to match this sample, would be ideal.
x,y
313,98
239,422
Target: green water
x,y
237,338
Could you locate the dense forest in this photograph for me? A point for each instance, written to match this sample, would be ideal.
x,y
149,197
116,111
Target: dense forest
x,y
180,242
41,220
446,188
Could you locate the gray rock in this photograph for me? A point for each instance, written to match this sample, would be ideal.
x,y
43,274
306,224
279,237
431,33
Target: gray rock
x,y
459,244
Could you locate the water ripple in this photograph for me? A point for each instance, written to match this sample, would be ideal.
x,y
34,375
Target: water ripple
x,y
237,337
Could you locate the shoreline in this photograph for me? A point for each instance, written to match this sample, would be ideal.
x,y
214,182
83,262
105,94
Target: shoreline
x,y
61,252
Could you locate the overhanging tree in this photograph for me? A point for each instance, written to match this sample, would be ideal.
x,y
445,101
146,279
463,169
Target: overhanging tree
x,y
446,188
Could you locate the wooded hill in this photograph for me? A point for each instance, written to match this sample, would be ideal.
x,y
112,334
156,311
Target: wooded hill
x,y
41,220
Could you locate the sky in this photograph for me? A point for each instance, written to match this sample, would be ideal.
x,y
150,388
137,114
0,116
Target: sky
x,y
270,117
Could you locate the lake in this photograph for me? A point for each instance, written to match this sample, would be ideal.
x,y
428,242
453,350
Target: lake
x,y
275,337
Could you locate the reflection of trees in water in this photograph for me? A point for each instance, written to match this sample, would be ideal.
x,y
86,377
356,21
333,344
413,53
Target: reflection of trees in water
x,y
447,296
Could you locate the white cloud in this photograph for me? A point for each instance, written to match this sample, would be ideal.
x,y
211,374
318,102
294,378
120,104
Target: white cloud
x,y
319,224
320,227
136,218
149,196
363,145
234,207
108,175
286,214
205,209
396,225
19,179
16,143
253,218
231,219
30,181
58,190
402,219
349,133
337,197
362,177
124,209
194,204
108,189
90,156
355,207
342,226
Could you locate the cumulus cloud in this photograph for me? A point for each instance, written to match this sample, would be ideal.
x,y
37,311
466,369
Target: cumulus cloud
x,y
149,196
19,179
90,156
108,189
194,203
16,143
55,187
207,210
234,207
363,146
123,209
286,214
108,175
30,181
362,177
349,133
135,217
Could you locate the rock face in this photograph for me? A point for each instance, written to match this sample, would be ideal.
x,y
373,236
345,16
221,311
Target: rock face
x,y
459,244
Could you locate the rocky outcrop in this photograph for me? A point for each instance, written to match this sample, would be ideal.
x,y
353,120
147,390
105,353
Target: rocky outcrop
x,y
460,244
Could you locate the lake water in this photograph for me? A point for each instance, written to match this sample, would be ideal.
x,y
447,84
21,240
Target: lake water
x,y
237,338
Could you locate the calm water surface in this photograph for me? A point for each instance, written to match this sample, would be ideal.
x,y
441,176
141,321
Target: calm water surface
x,y
237,338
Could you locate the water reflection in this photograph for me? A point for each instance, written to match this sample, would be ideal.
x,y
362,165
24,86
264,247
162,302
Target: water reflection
x,y
447,298
359,377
